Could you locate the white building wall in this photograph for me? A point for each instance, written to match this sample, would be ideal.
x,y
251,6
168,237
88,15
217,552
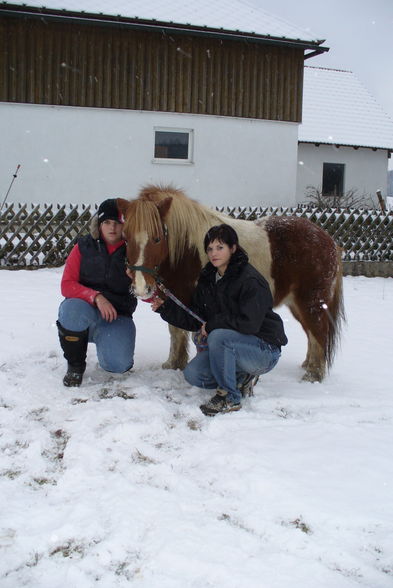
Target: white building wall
x,y
365,169
84,155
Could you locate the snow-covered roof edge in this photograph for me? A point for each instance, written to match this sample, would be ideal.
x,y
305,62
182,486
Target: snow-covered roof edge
x,y
339,110
235,17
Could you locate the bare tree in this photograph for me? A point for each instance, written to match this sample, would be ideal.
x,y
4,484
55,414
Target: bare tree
x,y
349,199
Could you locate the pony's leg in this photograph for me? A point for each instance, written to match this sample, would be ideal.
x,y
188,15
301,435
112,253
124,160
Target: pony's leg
x,y
298,317
178,352
307,360
324,314
314,364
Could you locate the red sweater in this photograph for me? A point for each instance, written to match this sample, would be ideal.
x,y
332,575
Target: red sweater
x,y
70,284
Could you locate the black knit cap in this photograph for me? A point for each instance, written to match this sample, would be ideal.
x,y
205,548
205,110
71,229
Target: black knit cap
x,y
108,211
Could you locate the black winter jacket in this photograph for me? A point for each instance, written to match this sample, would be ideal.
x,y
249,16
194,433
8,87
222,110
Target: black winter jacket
x,y
241,300
106,273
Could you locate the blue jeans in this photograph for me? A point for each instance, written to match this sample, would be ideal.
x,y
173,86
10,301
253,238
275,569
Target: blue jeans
x,y
115,341
229,357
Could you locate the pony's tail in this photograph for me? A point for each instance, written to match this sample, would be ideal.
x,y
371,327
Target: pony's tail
x,y
336,312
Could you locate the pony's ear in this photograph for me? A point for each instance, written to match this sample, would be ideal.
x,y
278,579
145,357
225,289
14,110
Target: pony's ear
x,y
122,205
164,206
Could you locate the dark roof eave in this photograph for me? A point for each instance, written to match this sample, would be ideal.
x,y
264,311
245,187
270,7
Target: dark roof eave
x,y
316,51
152,25
373,147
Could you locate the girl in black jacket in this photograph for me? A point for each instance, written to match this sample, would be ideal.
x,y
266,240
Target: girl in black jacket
x,y
244,335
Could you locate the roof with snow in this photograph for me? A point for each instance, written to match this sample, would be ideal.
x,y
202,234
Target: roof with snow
x,y
338,110
241,16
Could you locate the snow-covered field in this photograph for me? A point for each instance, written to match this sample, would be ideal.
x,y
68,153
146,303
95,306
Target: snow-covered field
x,y
124,481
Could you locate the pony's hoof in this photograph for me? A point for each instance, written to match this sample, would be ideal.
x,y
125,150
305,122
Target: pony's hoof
x,y
312,377
170,365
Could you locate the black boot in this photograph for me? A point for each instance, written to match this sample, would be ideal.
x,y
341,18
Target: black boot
x,y
74,375
74,346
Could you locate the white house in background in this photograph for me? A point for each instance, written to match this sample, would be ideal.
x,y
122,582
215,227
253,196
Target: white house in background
x,y
99,98
345,138
95,105
390,183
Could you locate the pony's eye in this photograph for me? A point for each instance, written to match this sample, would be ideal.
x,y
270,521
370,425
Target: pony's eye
x,y
157,239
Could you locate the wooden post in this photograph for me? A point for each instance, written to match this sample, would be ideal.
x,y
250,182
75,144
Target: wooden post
x,y
381,201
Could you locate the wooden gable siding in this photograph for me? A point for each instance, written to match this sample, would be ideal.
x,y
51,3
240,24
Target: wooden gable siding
x,y
81,65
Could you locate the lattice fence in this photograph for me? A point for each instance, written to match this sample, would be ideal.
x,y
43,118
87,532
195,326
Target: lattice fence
x,y
363,234
43,235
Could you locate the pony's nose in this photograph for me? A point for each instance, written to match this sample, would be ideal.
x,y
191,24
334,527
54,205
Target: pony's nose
x,y
142,292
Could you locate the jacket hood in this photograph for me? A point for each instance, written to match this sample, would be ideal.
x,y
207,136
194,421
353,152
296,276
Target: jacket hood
x,y
94,228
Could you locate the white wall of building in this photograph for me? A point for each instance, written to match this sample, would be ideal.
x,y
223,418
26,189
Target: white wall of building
x,y
365,169
84,155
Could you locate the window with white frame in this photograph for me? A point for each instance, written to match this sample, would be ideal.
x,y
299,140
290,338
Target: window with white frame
x,y
173,145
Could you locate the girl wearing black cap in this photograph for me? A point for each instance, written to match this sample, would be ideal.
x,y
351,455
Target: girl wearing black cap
x,y
98,305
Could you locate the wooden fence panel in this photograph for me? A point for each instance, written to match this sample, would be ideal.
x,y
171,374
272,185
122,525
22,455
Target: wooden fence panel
x,y
33,236
42,236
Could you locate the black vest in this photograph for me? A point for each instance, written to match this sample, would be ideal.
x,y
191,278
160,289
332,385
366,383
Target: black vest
x,y
106,273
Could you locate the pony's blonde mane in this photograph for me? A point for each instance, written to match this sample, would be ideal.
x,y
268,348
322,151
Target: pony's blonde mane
x,y
186,220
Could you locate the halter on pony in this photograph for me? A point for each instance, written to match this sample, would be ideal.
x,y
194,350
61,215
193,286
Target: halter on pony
x,y
142,268
160,284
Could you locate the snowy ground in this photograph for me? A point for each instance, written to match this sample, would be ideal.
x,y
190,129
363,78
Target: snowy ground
x,y
124,481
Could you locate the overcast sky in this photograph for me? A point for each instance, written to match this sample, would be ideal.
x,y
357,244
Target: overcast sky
x,y
358,32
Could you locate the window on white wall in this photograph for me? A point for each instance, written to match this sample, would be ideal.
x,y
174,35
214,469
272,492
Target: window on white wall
x,y
173,145
333,179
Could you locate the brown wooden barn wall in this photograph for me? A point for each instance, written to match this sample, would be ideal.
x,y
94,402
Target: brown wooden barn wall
x,y
82,65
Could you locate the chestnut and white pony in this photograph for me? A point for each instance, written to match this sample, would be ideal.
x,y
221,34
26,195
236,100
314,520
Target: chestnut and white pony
x,y
164,230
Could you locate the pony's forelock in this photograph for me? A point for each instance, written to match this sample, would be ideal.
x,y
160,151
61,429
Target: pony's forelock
x,y
142,216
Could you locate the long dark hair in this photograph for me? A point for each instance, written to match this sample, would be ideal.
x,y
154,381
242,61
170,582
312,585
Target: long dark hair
x,y
224,234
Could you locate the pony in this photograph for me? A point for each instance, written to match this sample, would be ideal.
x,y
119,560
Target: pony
x,y
164,231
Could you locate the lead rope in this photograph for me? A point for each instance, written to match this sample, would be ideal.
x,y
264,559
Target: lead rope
x,y
164,289
168,293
